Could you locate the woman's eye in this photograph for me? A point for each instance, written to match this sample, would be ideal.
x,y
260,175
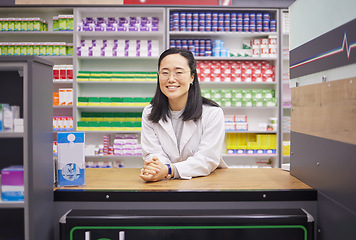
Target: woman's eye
x,y
165,73
179,73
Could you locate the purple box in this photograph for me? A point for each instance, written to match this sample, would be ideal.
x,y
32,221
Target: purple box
x,y
12,183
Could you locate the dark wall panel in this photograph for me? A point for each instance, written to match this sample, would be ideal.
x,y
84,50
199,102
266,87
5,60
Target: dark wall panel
x,y
326,165
334,221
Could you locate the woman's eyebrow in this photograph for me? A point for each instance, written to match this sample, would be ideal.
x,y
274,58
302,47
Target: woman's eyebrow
x,y
176,68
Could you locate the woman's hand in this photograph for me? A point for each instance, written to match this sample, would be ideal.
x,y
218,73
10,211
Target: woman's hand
x,y
153,170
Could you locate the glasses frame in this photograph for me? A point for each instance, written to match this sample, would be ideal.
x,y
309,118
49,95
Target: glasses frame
x,y
174,74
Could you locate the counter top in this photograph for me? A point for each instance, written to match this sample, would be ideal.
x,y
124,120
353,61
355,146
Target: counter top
x,y
124,184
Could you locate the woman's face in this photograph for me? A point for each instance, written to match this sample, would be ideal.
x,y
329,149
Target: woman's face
x,y
175,79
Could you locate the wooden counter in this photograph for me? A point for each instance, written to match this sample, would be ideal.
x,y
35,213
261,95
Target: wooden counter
x,y
124,184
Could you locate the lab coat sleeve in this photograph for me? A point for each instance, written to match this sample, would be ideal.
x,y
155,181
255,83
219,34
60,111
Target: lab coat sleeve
x,y
151,145
208,155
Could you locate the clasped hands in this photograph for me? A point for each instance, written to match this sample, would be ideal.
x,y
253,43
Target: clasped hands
x,y
153,170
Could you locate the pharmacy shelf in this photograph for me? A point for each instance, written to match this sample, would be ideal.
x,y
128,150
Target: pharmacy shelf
x,y
251,131
60,107
109,107
250,108
111,157
42,33
115,58
229,34
62,82
17,204
237,83
248,155
116,82
111,131
126,34
12,134
236,58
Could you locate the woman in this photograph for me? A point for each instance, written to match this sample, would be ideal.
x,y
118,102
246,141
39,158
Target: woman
x,y
182,133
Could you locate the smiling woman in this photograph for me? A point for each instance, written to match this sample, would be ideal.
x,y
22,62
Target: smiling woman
x,y
182,132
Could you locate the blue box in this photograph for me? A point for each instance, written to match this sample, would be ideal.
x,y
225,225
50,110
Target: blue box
x,y
71,159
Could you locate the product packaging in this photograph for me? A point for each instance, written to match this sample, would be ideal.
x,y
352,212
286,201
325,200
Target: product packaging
x,y
71,159
12,183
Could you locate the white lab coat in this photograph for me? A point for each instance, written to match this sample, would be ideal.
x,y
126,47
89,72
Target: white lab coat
x,y
201,142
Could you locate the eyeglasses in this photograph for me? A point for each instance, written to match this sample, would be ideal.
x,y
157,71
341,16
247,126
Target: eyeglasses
x,y
178,74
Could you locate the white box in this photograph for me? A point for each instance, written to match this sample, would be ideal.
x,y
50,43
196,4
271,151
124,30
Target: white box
x,y
71,159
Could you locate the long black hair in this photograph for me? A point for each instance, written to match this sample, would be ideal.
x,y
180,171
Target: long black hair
x,y
194,108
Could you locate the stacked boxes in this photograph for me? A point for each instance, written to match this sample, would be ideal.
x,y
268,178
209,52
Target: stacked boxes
x,y
199,47
236,123
242,97
114,101
36,48
62,123
62,73
251,143
118,48
122,145
116,76
265,47
110,121
221,21
23,24
135,24
10,120
235,71
63,23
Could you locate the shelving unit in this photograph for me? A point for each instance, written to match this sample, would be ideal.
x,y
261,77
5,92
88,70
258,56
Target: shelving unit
x,y
26,83
112,64
232,40
285,89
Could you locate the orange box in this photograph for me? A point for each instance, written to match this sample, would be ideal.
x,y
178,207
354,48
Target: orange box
x,y
55,98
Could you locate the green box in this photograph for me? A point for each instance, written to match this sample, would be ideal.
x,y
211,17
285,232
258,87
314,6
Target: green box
x,y
62,49
268,93
236,102
5,25
215,93
11,49
24,26
23,49
55,23
206,93
17,24
226,93
226,102
11,24
69,22
37,24
83,99
236,93
30,22
17,49
69,49
49,49
258,102
62,23
43,49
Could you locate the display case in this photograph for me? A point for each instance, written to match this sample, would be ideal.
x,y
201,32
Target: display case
x,y
26,83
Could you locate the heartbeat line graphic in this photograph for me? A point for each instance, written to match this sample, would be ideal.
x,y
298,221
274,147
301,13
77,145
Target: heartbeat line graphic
x,y
344,45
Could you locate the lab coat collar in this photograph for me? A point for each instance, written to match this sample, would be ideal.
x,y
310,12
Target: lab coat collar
x,y
167,126
188,129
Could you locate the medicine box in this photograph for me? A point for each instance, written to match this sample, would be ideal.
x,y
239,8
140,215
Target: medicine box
x,y
12,183
71,159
